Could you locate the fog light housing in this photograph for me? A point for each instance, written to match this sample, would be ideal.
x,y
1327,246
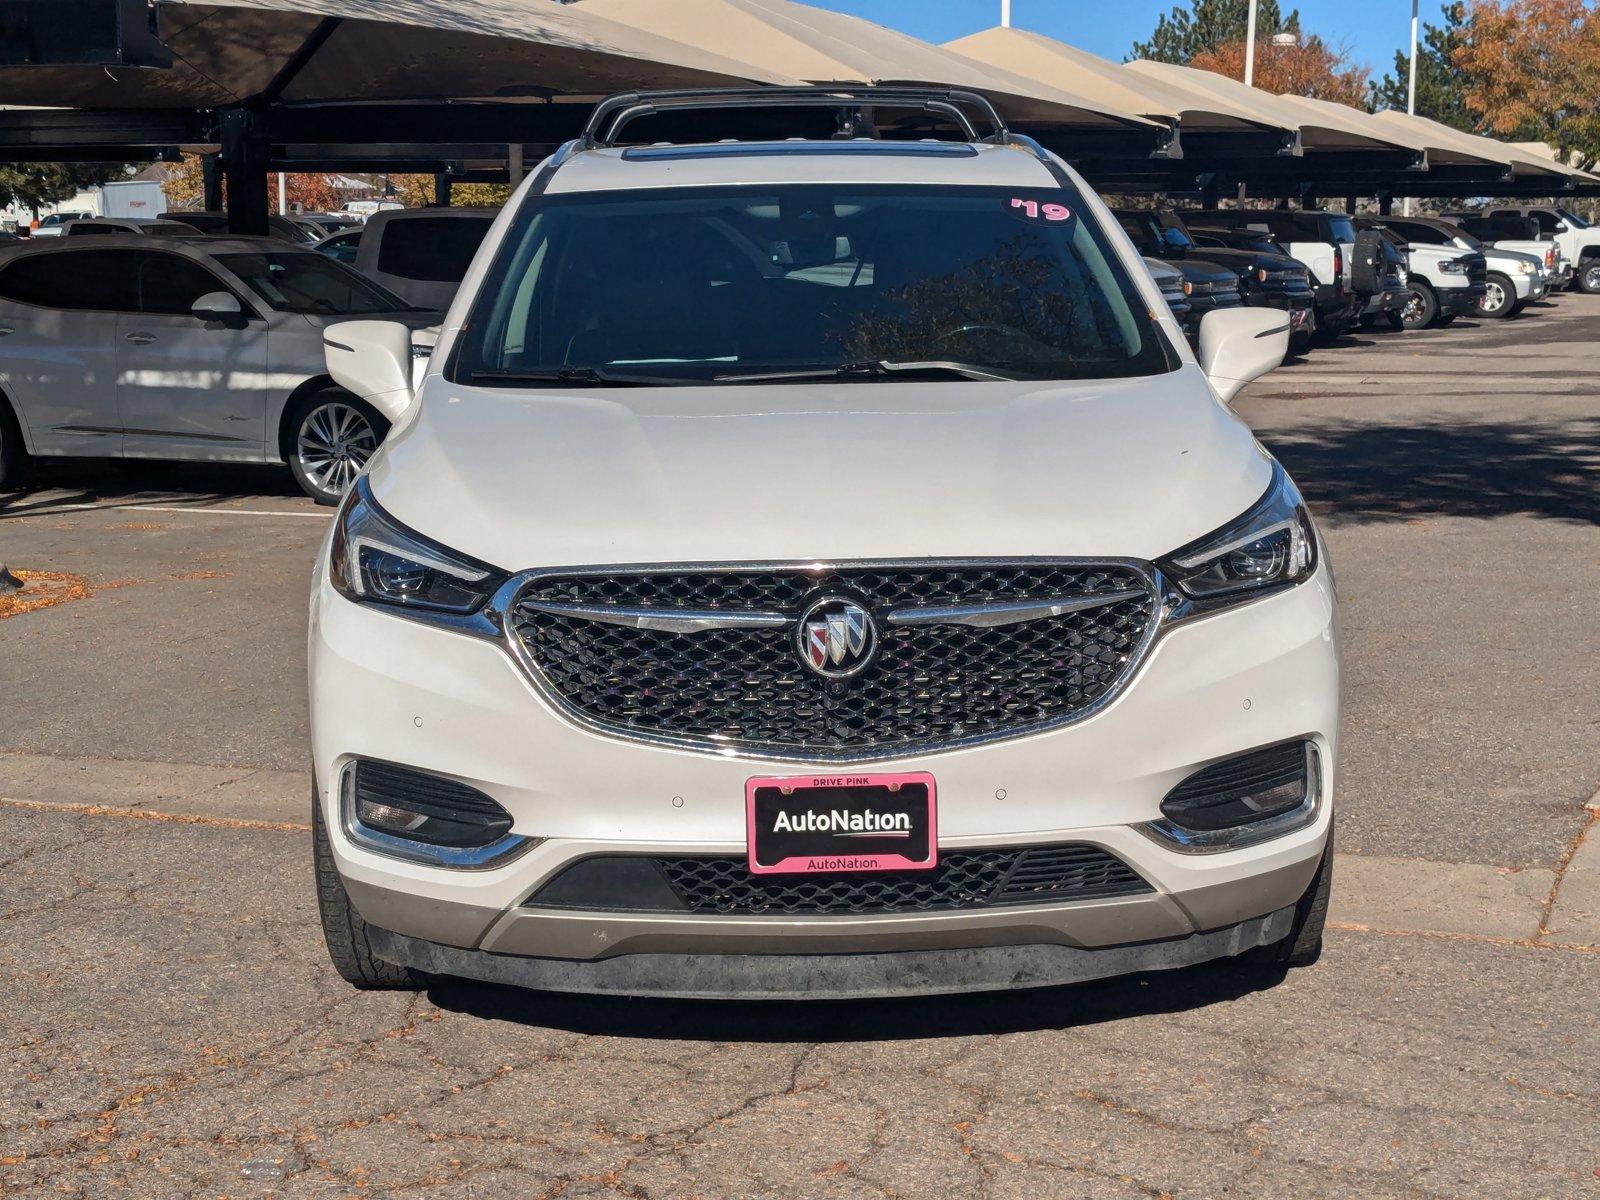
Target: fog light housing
x,y
1243,800
420,817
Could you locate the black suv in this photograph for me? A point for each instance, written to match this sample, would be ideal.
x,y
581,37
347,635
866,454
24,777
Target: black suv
x,y
1211,285
1324,242
1272,278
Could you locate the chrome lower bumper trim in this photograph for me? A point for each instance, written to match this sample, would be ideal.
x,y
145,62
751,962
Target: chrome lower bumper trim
x,y
832,976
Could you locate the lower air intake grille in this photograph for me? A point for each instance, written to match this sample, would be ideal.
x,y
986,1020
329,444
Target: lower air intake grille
x,y
725,886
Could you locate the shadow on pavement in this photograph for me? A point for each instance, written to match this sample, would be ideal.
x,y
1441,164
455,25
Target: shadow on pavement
x,y
1392,472
860,1020
134,482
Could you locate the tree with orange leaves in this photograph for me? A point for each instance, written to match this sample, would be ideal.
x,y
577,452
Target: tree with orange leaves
x,y
1533,72
1309,67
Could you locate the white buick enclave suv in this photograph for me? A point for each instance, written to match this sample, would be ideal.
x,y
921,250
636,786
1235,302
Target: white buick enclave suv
x,y
817,567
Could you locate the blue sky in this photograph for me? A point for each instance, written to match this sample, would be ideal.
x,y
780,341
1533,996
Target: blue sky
x,y
1372,29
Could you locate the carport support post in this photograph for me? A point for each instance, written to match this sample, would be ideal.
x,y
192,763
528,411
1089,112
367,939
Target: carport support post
x,y
245,159
211,181
441,190
1385,204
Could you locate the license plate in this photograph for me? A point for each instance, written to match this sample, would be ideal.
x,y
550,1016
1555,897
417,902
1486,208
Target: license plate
x,y
827,824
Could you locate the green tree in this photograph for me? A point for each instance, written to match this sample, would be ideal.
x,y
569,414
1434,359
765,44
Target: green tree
x,y
1441,85
33,185
1200,26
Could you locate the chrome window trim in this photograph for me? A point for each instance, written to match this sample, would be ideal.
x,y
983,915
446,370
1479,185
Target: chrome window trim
x,y
1166,597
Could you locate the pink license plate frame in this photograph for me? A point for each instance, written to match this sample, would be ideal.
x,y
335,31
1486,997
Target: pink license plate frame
x,y
843,862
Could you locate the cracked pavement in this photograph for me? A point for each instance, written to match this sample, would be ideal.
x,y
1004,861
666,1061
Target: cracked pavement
x,y
169,1025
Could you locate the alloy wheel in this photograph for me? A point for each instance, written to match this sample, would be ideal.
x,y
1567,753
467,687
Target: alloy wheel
x,y
1411,314
334,442
1591,278
1494,297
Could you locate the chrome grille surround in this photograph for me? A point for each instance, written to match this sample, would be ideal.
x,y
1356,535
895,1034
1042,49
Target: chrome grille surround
x,y
720,673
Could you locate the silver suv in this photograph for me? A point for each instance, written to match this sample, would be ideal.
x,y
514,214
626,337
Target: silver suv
x,y
202,348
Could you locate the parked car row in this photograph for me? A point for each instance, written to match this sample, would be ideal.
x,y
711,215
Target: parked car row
x,y
201,348
1333,272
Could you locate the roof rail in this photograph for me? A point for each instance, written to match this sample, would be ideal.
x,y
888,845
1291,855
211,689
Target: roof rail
x,y
609,116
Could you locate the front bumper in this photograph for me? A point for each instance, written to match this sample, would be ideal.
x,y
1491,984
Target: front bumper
x,y
739,976
388,688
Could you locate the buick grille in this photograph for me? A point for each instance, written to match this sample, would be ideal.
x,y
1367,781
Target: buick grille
x,y
715,657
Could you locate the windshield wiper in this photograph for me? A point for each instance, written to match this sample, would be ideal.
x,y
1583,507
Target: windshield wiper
x,y
881,368
571,377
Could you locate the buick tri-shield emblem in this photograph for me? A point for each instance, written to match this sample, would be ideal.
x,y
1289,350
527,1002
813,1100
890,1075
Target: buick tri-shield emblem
x,y
836,637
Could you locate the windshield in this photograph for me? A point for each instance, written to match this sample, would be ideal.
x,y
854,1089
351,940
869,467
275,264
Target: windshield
x,y
1150,236
1573,219
699,286
310,283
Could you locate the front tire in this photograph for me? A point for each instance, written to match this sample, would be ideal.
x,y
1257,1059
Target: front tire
x,y
332,436
1499,297
1421,308
1589,277
342,927
1303,946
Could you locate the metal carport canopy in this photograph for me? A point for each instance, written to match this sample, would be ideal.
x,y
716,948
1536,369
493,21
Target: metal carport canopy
x,y
230,51
827,47
1520,163
1055,63
1320,129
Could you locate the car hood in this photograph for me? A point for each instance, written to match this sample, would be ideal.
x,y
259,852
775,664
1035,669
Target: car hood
x,y
1203,270
568,477
1243,262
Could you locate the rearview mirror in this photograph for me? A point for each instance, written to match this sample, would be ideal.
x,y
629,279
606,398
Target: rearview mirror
x,y
1239,345
217,306
373,360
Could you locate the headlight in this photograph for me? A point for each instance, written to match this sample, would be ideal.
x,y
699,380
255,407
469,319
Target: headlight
x,y
377,559
1453,266
1270,546
1525,268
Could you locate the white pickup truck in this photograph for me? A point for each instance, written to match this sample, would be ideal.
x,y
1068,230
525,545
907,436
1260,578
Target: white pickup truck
x,y
1445,281
1578,240
1514,277
1517,235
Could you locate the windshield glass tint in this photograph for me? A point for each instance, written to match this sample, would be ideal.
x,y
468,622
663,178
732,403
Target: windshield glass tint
x,y
1341,229
309,283
694,285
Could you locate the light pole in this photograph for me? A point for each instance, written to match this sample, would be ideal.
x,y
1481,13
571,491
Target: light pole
x,y
1005,13
1411,83
1249,48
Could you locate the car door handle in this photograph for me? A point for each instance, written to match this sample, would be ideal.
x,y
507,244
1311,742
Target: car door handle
x,y
141,339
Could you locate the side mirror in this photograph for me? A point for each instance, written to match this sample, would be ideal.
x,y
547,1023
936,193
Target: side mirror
x,y
1238,345
217,306
373,360
1563,227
